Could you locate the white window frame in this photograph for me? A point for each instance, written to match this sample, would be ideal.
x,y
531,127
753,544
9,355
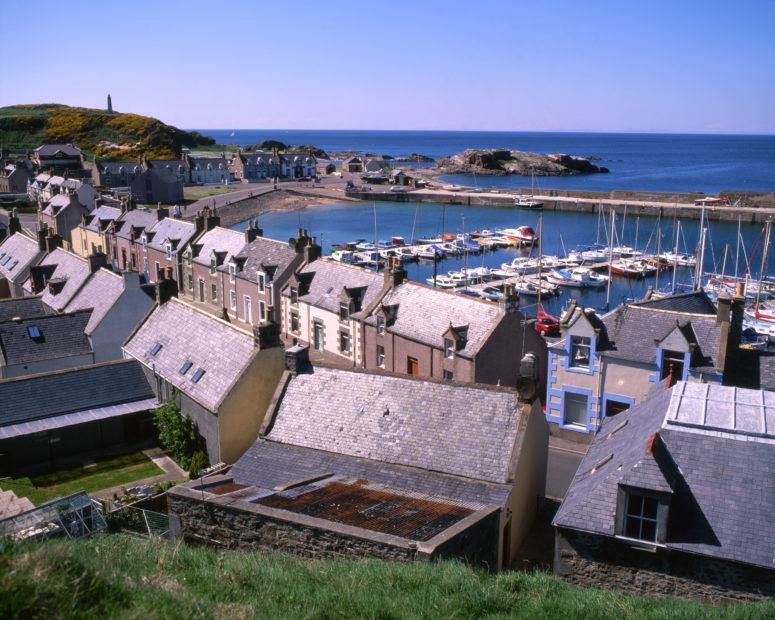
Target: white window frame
x,y
233,300
261,282
381,324
380,356
449,348
247,306
261,311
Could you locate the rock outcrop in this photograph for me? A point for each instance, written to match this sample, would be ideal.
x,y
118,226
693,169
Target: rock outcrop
x,y
505,161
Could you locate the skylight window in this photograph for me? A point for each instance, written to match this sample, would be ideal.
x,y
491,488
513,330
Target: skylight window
x,y
156,348
33,331
186,367
198,375
5,260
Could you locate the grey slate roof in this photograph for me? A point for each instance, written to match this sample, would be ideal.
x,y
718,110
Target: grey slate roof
x,y
99,293
62,335
115,167
695,302
218,239
263,252
102,213
222,350
267,465
723,495
425,313
73,269
22,307
17,253
137,218
47,150
175,230
328,278
201,161
78,389
460,430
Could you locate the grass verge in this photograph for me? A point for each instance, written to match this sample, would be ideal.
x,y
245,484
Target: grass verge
x,y
198,192
120,577
104,474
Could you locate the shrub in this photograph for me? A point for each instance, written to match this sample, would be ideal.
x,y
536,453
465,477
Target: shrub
x,y
177,433
198,463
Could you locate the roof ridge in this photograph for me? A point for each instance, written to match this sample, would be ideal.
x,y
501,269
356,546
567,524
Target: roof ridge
x,y
665,311
208,315
64,371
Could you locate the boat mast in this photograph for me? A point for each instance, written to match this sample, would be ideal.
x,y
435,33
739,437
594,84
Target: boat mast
x,y
675,252
376,251
701,257
637,228
724,262
624,221
765,253
414,224
659,249
540,253
610,259
465,254
737,248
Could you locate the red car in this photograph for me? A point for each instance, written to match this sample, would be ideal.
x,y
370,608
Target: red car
x,y
546,324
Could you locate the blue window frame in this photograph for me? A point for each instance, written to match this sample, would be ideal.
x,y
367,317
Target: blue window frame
x,y
198,375
186,367
156,348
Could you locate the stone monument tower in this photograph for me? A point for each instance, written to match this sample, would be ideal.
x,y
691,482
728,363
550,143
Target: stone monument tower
x,y
110,105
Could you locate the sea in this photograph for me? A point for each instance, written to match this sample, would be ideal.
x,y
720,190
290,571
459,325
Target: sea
x,y
648,162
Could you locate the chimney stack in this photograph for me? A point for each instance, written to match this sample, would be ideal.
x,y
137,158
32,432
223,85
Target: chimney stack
x,y
199,222
312,251
297,359
161,213
510,301
52,242
96,260
165,287
252,232
266,335
14,224
42,234
527,382
395,274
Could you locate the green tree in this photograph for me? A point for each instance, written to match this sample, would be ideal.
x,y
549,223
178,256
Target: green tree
x,y
178,433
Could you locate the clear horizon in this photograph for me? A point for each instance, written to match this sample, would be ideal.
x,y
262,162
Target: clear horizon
x,y
607,67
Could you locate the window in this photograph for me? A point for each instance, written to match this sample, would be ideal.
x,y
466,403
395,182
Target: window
x,y
344,342
156,348
575,413
673,365
294,323
33,331
189,258
318,336
213,265
169,250
158,270
186,367
612,407
579,351
198,375
640,517
233,300
449,348
214,292
261,311
261,282
380,324
448,375
248,309
412,366
190,282
232,271
380,356
294,295
201,290
344,311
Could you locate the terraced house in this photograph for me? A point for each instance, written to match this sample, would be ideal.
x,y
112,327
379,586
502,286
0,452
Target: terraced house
x,y
124,234
92,233
62,215
603,365
206,261
115,173
163,246
18,253
207,170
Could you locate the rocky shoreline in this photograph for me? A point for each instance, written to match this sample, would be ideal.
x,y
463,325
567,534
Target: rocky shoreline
x,y
501,162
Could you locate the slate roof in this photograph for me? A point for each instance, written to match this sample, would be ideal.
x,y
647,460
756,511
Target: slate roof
x,y
102,213
327,279
263,252
77,389
47,150
695,302
184,333
172,229
424,313
17,253
225,240
267,465
59,203
22,307
73,269
401,421
99,293
114,167
137,218
164,163
61,335
711,440
198,161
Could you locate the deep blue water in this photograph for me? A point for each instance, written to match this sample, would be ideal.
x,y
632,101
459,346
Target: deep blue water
x,y
340,223
651,162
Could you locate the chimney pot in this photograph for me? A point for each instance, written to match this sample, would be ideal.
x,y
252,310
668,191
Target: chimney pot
x,y
297,359
527,383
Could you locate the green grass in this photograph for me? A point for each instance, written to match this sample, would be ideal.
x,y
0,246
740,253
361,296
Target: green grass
x,y
104,474
197,193
114,576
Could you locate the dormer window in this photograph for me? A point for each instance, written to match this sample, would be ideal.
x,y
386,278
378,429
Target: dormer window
x,y
144,239
344,311
232,271
640,517
672,366
213,264
169,250
380,324
449,348
294,295
261,282
189,258
580,349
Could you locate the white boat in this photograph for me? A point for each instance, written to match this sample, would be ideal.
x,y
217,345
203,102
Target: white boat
x,y
442,282
579,277
523,234
345,256
524,201
625,251
365,246
685,260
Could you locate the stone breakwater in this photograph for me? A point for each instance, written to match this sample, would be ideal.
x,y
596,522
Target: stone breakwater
x,y
505,161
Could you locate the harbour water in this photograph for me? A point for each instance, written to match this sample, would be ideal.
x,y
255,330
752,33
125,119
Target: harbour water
x,y
562,231
648,162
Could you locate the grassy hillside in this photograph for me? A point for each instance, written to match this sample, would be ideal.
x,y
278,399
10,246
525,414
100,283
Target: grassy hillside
x,y
109,136
120,577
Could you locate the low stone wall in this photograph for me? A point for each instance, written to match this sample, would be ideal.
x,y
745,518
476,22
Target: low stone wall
x,y
602,562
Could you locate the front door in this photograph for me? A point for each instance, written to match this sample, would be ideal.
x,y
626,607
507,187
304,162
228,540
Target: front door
x,y
318,337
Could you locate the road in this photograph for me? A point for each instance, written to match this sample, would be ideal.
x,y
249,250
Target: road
x,y
563,461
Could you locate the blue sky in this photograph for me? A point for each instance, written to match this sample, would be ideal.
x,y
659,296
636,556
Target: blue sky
x,y
678,66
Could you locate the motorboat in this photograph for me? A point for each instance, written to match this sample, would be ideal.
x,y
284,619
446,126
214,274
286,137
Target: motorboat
x,y
365,246
524,201
578,277
492,293
684,260
524,235
625,251
441,282
345,256
631,268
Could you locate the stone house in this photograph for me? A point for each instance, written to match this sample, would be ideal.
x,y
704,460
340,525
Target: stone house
x,y
251,167
323,304
57,156
62,215
675,496
72,415
115,173
207,170
221,376
206,262
45,186
258,273
92,233
44,343
175,166
118,303
18,253
297,165
377,164
353,164
14,179
163,246
157,185
124,238
602,365
420,330
344,467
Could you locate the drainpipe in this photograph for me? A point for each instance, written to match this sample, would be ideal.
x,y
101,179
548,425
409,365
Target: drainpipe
x,y
600,390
